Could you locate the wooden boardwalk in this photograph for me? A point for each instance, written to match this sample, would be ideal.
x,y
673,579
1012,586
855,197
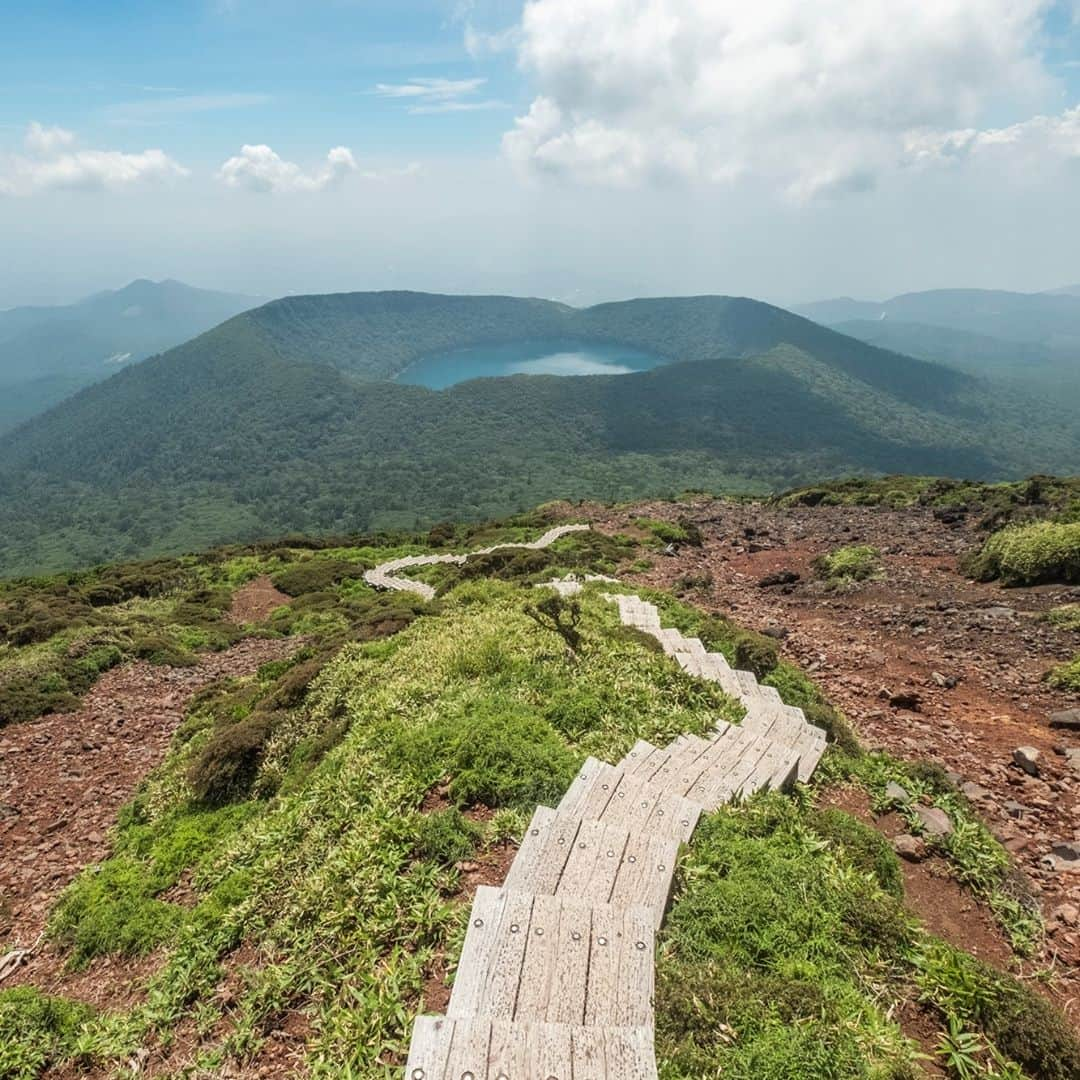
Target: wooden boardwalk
x,y
555,980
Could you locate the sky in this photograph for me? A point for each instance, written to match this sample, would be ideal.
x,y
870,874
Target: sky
x,y
578,149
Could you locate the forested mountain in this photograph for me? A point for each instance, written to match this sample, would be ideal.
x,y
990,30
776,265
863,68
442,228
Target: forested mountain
x,y
47,353
232,435
1048,318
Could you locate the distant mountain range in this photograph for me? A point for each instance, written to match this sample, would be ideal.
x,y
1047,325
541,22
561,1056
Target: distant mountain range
x,y
48,353
1030,338
287,417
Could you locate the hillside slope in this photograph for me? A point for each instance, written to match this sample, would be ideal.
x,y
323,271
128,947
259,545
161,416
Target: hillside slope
x,y
230,436
47,353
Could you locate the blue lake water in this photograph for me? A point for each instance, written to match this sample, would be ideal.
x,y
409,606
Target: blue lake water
x,y
527,358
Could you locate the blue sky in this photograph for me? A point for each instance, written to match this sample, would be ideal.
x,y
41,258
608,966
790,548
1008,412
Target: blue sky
x,y
584,149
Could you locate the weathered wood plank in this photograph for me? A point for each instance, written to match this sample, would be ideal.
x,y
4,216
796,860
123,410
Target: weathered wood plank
x,y
430,1048
532,853
570,977
503,976
469,1049
630,1054
588,1061
636,969
539,966
602,996
467,996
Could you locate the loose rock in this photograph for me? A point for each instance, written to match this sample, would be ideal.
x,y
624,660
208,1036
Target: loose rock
x,y
1027,758
909,847
935,822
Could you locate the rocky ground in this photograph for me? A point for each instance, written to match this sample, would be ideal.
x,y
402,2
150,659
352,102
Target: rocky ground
x,y
63,779
924,662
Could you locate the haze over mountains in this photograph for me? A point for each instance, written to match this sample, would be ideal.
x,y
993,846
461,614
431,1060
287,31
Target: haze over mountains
x,y
48,353
1030,338
287,417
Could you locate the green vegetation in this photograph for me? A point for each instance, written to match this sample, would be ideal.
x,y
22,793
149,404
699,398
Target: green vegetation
x,y
1043,551
848,566
1066,676
991,505
1067,616
297,853
36,1031
267,425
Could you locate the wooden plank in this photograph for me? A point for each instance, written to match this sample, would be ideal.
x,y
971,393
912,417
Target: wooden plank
x,y
586,849
532,854
570,804
508,1054
538,968
467,996
636,968
550,1053
658,876
787,772
602,995
503,976
570,978
673,815
429,1048
629,1054
469,1049
603,786
637,759
588,1061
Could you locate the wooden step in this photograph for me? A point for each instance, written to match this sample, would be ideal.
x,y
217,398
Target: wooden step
x,y
616,796
547,959
482,1049
589,862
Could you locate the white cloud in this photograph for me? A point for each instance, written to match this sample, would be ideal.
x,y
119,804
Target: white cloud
x,y
1040,138
52,160
812,98
259,168
429,96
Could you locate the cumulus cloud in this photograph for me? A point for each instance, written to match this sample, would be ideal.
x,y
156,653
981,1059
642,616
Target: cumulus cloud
x,y
815,98
51,160
433,95
259,168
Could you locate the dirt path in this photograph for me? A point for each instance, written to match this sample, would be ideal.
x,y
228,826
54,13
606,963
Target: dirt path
x,y
969,657
63,778
255,601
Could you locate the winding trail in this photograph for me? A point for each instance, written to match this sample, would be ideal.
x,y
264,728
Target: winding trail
x,y
385,576
556,974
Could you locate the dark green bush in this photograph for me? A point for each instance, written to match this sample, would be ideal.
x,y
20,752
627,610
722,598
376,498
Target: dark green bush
x,y
227,765
836,728
1043,551
756,653
291,688
446,836
317,575
159,649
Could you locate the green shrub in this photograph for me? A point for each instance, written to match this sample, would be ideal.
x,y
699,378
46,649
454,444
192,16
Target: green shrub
x,y
317,575
863,846
36,1031
848,565
1043,551
756,652
446,836
109,910
1066,676
668,532
1067,616
837,730
159,649
292,687
495,754
228,764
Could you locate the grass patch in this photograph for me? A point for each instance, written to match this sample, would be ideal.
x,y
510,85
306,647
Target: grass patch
x,y
1067,616
1066,676
36,1031
848,566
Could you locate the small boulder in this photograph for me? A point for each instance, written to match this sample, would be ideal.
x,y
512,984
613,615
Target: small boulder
x,y
909,847
906,699
1015,809
1027,758
1066,915
780,577
974,792
1069,718
896,794
935,822
1067,851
